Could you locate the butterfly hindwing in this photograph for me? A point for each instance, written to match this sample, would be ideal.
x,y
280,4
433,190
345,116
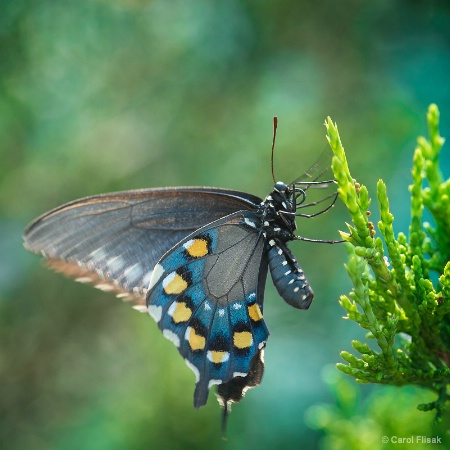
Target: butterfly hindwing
x,y
206,294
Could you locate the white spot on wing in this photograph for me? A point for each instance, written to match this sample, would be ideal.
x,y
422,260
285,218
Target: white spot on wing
x,y
155,275
168,334
221,312
172,308
133,273
168,279
188,243
213,382
155,312
146,280
83,279
261,355
97,255
237,306
105,287
252,295
140,308
115,263
207,307
296,289
250,223
271,242
239,374
246,388
194,369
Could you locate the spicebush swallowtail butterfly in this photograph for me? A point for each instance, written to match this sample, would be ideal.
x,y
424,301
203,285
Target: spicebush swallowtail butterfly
x,y
195,258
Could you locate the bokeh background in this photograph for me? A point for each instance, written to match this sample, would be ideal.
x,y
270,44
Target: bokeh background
x,y
106,95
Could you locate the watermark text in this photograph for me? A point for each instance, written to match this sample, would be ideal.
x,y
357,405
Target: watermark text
x,y
411,440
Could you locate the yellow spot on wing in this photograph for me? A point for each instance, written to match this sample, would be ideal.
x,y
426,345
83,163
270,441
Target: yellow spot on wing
x,y
182,313
197,248
255,313
174,284
217,356
242,339
196,341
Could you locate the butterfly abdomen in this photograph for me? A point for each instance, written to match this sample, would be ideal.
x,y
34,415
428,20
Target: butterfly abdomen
x,y
288,276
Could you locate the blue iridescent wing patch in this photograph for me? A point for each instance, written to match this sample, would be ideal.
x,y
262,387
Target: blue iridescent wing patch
x,y
206,294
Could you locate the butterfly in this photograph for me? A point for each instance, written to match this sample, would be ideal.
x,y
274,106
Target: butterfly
x,y
195,258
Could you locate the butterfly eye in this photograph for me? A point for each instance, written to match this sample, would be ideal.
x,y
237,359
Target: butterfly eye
x,y
281,187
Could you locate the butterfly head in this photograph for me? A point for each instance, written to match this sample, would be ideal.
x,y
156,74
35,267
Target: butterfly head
x,y
281,188
282,197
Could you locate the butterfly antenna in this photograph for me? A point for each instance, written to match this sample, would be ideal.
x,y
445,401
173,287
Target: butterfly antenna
x,y
275,125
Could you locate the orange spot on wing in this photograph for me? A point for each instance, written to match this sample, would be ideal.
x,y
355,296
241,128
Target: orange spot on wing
x,y
217,356
197,248
174,284
254,312
243,339
196,341
182,313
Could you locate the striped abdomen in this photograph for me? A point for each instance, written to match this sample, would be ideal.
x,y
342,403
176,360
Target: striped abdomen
x,y
288,276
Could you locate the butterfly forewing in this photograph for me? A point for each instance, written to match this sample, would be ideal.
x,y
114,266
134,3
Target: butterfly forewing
x,y
115,240
319,169
206,295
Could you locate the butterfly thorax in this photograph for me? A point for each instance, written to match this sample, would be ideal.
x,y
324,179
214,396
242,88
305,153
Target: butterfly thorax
x,y
278,214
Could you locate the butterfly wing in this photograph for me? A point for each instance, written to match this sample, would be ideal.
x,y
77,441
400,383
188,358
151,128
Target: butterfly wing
x,y
319,168
115,240
206,294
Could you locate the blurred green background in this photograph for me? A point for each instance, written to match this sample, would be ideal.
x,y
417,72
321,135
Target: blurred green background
x,y
105,95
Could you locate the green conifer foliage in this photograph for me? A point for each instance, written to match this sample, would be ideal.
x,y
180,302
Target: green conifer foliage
x,y
394,297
